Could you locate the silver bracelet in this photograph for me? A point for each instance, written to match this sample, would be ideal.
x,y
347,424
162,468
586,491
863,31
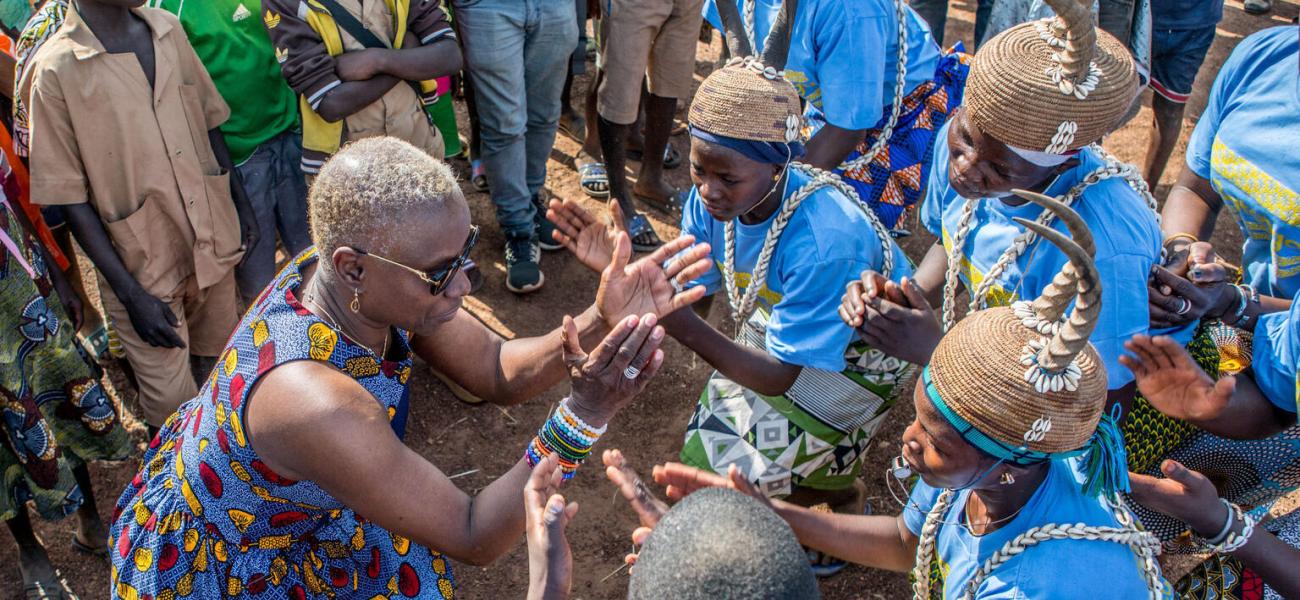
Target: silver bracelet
x,y
1236,541
1227,525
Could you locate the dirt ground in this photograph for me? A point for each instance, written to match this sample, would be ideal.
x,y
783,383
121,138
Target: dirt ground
x,y
475,444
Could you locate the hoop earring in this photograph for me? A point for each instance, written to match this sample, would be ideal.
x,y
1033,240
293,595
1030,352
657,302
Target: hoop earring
x,y
356,300
1007,478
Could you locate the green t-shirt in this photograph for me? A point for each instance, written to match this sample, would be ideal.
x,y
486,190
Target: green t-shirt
x,y
229,38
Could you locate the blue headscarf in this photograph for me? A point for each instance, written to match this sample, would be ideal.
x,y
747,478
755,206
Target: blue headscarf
x,y
772,153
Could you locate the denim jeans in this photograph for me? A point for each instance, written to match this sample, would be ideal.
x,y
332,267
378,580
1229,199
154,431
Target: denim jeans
x,y
517,53
274,182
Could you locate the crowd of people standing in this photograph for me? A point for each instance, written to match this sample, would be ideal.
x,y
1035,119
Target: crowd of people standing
x,y
254,210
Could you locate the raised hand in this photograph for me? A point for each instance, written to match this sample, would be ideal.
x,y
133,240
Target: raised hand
x,y
619,369
550,561
653,284
1183,494
587,238
894,318
682,480
1173,383
649,509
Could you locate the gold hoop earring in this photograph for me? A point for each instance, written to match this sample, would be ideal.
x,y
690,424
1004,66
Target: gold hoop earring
x,y
1007,478
356,300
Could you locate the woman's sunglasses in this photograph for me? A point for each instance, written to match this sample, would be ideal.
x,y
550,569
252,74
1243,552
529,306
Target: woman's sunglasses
x,y
439,278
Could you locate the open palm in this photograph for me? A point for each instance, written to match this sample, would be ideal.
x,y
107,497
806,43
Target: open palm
x,y
653,284
1173,383
590,241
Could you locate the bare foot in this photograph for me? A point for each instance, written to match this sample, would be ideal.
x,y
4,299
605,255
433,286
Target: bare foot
x,y
658,193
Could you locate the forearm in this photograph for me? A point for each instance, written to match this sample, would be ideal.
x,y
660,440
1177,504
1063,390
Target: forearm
x,y
750,367
1274,561
1191,208
929,275
529,366
89,231
831,145
1248,416
352,96
420,63
1123,397
495,520
873,541
237,193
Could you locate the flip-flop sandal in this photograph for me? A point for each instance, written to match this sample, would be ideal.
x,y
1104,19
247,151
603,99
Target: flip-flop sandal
x,y
594,179
672,158
47,590
98,340
478,175
673,205
639,226
84,548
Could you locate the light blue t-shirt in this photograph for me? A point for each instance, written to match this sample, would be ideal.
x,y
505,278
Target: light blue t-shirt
x,y
1123,227
1052,570
1275,357
1245,145
844,54
827,244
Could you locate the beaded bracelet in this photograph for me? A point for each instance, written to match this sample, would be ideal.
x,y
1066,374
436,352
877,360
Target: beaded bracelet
x,y
565,435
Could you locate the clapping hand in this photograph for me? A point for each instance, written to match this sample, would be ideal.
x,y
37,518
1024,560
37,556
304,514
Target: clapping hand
x,y
619,368
591,241
1183,494
1173,383
894,318
550,562
649,509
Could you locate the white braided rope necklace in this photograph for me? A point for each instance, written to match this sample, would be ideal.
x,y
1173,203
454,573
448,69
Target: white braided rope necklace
x,y
978,299
1143,544
742,306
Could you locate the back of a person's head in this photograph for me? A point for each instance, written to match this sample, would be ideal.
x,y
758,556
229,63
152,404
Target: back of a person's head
x,y
719,543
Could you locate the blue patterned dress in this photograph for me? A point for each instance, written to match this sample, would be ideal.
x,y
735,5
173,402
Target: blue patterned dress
x,y
206,516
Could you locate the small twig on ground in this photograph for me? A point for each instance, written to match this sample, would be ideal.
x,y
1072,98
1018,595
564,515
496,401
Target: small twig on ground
x,y
469,472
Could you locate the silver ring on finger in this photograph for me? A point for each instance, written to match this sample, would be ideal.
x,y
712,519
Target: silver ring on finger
x,y
631,372
1185,307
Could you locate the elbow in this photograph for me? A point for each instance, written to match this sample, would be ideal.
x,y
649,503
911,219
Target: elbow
x,y
331,113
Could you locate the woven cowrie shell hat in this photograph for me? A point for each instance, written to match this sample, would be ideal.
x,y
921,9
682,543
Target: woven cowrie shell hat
x,y
747,101
1025,375
1052,85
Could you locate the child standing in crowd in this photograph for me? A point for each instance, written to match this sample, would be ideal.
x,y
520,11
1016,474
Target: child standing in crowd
x,y
361,71
1182,33
262,131
125,120
57,416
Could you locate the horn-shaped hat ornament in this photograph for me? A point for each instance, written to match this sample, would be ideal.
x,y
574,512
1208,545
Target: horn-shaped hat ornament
x,y
1021,382
1052,85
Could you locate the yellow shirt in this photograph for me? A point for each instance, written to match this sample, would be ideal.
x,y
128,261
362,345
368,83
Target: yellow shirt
x,y
140,156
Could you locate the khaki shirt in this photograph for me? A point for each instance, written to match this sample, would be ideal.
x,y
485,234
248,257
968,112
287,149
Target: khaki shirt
x,y
140,156
309,69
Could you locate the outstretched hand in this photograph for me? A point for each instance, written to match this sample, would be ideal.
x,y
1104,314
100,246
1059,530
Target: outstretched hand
x,y
590,241
653,284
547,515
649,509
1183,494
1173,382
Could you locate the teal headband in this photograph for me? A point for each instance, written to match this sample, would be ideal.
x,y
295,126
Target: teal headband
x,y
1106,467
